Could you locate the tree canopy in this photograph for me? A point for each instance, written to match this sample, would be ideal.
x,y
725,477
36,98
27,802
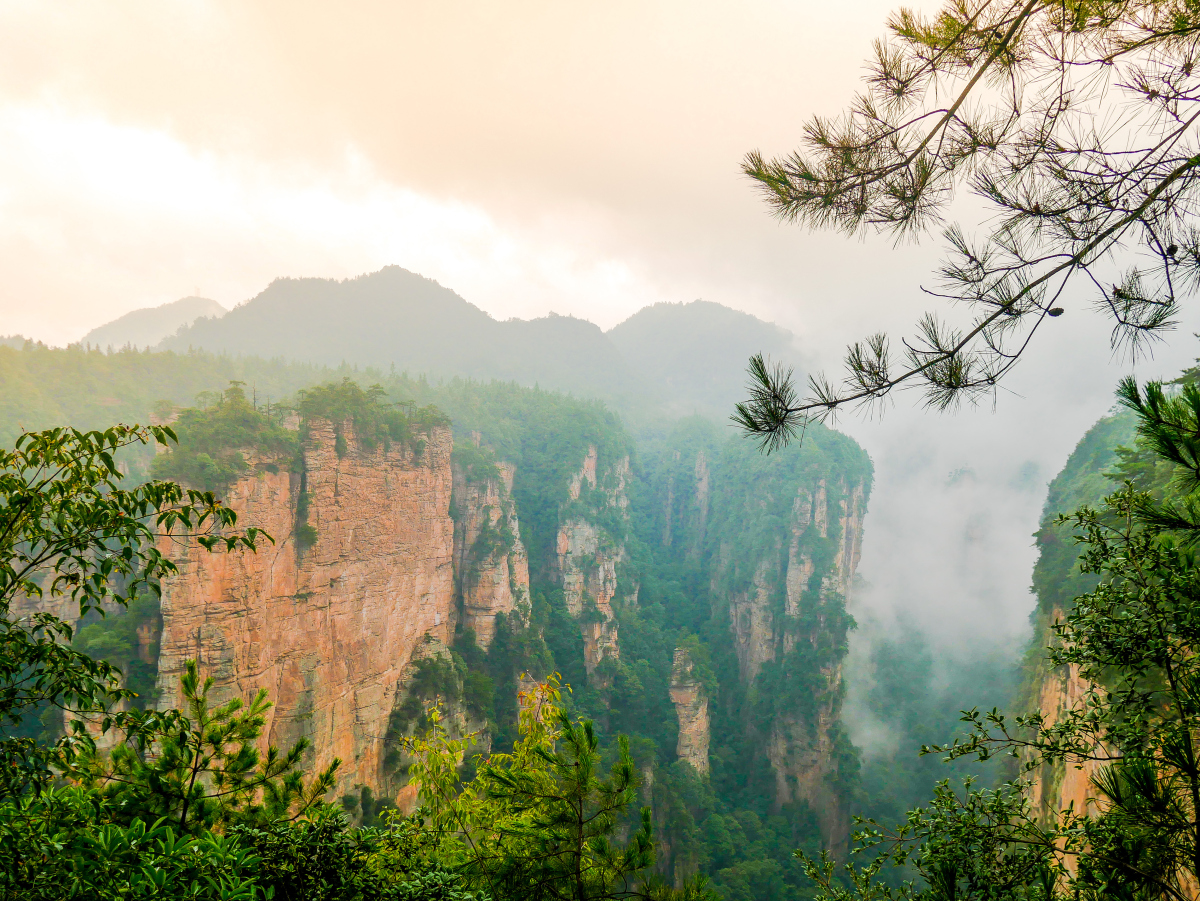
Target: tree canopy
x,y
1130,643
1071,124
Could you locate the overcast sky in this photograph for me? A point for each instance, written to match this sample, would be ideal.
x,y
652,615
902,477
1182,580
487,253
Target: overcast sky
x,y
533,155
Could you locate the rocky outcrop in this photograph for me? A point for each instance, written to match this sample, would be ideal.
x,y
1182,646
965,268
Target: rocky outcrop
x,y
758,631
1063,785
491,566
691,707
801,747
804,758
327,630
587,556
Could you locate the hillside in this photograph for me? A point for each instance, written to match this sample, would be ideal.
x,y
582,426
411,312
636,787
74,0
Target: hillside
x,y
669,359
696,353
145,328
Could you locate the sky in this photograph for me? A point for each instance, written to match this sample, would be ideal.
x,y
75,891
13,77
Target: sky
x,y
534,156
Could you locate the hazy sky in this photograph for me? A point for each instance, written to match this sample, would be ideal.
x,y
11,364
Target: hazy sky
x,y
531,155
534,156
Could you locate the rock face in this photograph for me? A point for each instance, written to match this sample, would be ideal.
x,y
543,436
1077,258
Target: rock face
x,y
327,630
491,566
691,706
587,557
802,745
1062,785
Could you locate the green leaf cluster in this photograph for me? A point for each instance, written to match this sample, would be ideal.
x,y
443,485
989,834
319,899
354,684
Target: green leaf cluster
x,y
71,535
224,442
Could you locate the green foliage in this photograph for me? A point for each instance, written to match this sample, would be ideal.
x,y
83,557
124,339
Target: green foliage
x,y
214,444
476,462
201,769
539,823
70,531
319,859
1085,479
306,532
59,844
373,421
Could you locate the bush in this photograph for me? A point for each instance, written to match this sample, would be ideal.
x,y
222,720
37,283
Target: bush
x,y
214,444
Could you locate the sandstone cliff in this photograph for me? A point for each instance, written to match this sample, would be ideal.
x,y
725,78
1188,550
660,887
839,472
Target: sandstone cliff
x,y
327,630
491,566
691,707
792,611
588,555
1060,786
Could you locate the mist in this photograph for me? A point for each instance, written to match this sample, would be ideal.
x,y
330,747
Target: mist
x,y
533,157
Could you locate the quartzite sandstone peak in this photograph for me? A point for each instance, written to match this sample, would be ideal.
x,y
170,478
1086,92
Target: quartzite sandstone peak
x,y
491,566
691,706
588,557
328,630
406,544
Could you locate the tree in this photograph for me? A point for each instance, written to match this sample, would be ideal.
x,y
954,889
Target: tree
x,y
1135,642
70,534
201,769
539,824
1073,124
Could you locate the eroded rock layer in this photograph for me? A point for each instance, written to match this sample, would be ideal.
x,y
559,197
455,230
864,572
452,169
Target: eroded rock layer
x,y
691,706
328,629
587,556
789,615
491,566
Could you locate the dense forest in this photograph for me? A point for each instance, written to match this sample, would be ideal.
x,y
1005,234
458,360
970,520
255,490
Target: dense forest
x,y
691,562
684,552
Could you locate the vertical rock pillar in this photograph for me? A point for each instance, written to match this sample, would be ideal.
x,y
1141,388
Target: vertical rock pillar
x,y
691,706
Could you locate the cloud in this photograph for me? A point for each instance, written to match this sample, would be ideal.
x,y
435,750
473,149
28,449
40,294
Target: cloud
x,y
98,218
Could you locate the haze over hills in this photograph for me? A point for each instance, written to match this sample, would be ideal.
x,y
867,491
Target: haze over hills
x,y
147,327
677,358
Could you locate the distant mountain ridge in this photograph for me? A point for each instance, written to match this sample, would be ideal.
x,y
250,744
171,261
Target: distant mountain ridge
x,y
674,358
149,326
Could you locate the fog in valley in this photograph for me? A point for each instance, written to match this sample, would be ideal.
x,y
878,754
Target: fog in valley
x,y
541,158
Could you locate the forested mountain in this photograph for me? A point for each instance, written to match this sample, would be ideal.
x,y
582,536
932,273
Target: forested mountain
x,y
696,353
673,358
145,328
691,592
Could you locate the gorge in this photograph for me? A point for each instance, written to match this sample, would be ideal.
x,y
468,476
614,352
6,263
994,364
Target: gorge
x,y
417,554
453,542
442,542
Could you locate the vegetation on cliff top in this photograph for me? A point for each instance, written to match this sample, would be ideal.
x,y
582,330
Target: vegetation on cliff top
x,y
375,421
221,443
185,805
728,826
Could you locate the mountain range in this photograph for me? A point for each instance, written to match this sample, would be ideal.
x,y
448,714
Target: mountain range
x,y
667,360
146,327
